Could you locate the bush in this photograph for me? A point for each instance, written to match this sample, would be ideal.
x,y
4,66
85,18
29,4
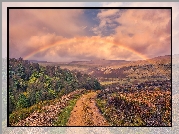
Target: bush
x,y
22,102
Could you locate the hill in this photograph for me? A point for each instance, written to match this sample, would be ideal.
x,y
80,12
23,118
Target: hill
x,y
30,83
158,68
103,62
112,71
135,93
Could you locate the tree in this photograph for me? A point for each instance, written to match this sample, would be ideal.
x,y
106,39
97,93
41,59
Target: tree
x,y
22,102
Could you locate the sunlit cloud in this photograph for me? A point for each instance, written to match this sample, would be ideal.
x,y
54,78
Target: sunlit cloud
x,y
67,35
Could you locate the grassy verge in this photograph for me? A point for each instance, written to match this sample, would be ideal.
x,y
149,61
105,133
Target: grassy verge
x,y
65,114
101,106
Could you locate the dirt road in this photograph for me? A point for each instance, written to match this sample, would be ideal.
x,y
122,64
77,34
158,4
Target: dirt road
x,y
49,113
86,113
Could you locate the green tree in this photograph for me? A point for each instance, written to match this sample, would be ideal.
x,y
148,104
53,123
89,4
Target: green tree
x,y
22,102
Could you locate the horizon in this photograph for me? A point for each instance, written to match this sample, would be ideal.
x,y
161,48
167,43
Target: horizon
x,y
93,59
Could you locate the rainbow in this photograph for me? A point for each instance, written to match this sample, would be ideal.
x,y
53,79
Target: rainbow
x,y
82,39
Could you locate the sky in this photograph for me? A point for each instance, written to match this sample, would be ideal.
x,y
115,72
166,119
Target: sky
x,y
64,35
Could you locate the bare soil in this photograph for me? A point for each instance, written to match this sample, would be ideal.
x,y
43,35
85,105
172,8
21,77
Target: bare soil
x,y
86,113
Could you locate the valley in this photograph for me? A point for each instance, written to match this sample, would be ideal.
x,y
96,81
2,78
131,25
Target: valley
x,y
117,93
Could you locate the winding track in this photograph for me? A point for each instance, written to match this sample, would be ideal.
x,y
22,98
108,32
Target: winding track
x,y
86,113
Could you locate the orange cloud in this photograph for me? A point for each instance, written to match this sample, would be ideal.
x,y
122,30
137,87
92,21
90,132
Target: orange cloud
x,y
55,35
60,21
108,13
146,31
79,48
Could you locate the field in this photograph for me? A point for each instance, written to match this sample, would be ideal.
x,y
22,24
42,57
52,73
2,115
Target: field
x,y
147,106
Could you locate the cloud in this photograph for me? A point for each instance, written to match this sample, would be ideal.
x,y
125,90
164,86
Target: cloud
x,y
145,31
175,19
52,47
22,41
107,13
84,27
106,18
28,4
26,25
61,21
76,48
62,35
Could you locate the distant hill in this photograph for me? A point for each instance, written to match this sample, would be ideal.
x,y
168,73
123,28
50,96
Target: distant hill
x,y
36,61
153,69
100,62
102,68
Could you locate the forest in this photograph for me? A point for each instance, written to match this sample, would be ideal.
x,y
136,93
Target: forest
x,y
31,83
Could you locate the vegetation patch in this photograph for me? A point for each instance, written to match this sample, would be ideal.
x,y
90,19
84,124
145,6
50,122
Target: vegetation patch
x,y
65,114
139,108
32,86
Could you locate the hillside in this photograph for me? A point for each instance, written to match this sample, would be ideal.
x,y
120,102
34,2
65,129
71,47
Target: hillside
x,y
134,93
137,94
158,68
30,83
102,62
121,71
